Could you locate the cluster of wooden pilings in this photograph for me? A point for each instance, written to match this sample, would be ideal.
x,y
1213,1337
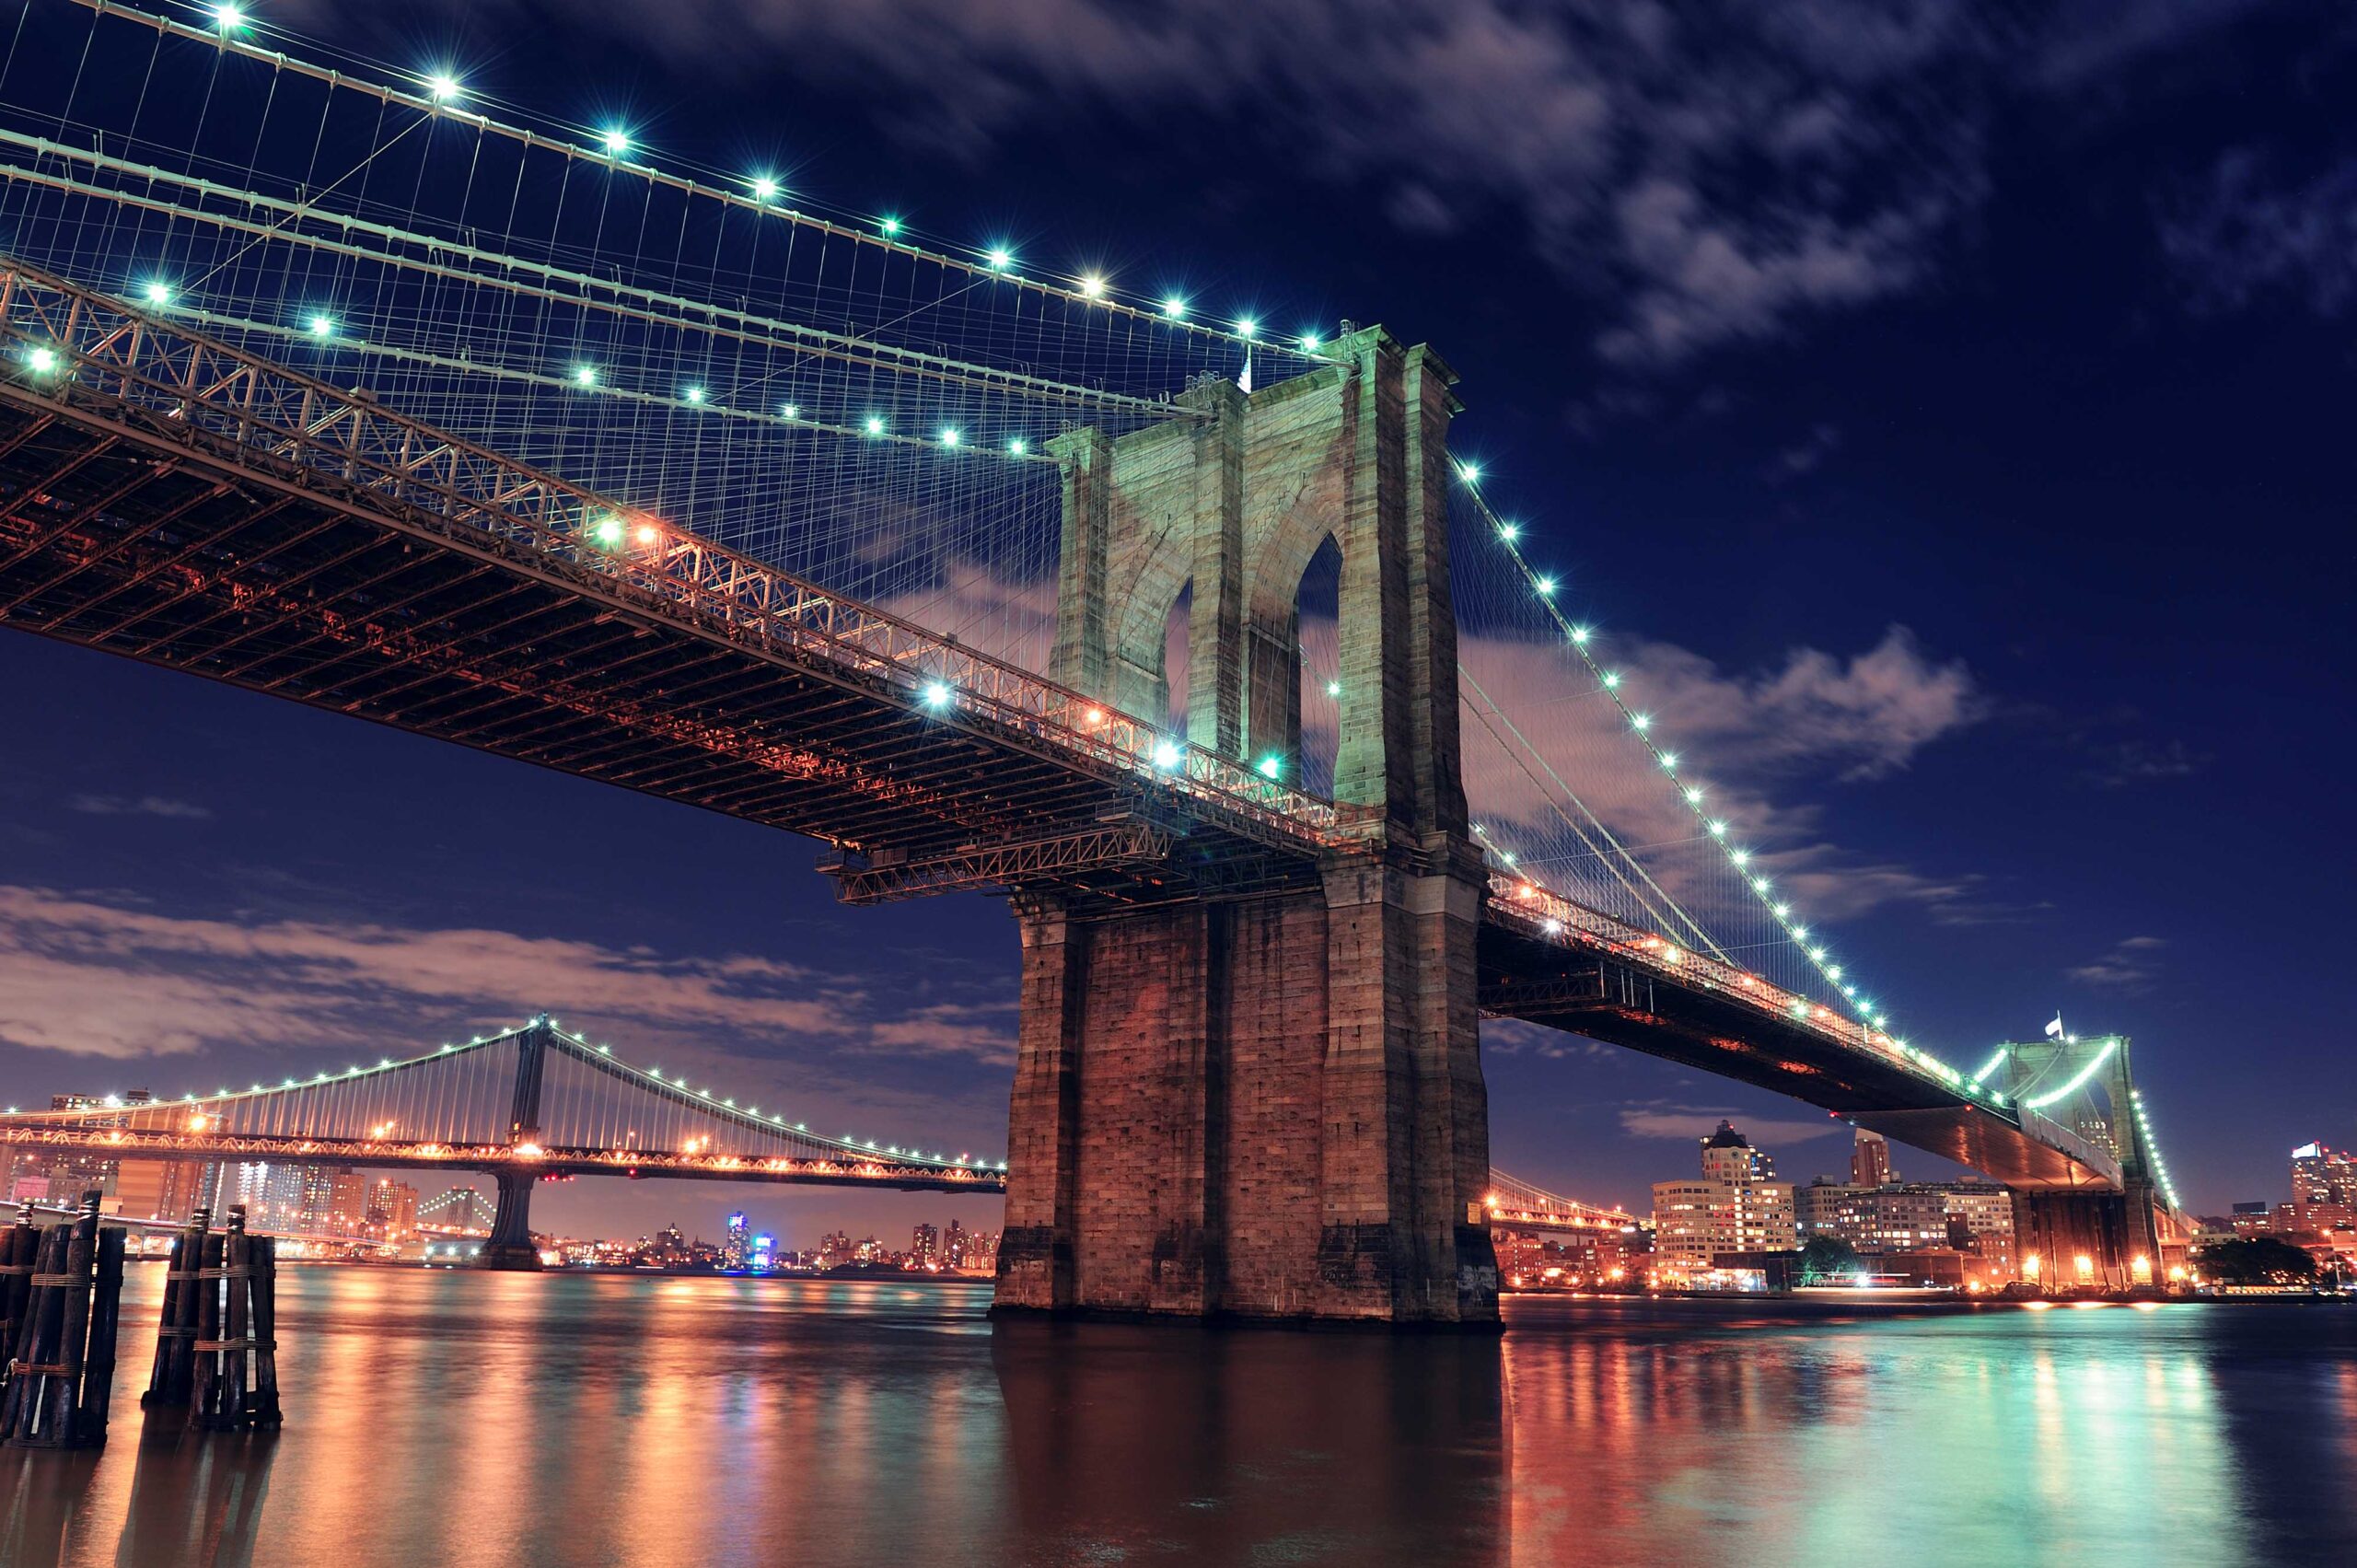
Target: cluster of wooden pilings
x,y
216,1354
61,1294
61,1298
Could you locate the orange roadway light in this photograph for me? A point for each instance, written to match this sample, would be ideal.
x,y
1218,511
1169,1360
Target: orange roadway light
x,y
649,534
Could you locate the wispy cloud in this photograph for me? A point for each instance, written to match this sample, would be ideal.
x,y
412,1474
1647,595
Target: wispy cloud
x,y
1714,177
2131,965
138,805
1656,1119
94,977
2126,763
2249,233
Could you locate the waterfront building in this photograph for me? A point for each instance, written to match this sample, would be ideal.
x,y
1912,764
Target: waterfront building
x,y
736,1244
2324,1188
272,1193
924,1248
955,1245
164,1190
392,1209
1737,1206
2254,1219
1974,1217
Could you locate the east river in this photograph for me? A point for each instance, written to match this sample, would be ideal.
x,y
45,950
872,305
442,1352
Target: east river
x,y
465,1420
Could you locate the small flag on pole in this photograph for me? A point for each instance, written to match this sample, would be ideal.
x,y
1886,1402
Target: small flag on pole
x,y
2054,1029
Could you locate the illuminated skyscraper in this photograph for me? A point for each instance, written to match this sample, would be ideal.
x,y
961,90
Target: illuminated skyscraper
x,y
737,1245
2324,1188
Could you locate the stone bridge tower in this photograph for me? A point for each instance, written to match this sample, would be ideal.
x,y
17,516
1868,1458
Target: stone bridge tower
x,y
1262,1097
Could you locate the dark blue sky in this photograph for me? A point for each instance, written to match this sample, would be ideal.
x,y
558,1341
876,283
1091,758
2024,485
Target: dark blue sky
x,y
1783,326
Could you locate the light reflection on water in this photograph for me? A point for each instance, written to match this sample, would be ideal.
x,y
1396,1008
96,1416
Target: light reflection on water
x,y
438,1418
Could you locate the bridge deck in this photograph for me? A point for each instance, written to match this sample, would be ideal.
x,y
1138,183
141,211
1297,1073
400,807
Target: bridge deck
x,y
1601,995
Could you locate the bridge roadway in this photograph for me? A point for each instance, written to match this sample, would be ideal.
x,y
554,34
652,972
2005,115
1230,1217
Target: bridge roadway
x,y
31,1133
172,500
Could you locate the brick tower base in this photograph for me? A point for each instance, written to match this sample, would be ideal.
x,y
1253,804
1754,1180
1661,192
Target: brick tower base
x,y
1265,1108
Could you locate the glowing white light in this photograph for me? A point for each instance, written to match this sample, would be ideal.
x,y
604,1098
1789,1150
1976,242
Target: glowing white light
x,y
1174,307
1093,286
1015,446
442,88
1270,767
1166,754
1309,343
1784,910
948,438
696,394
791,411
157,293
1641,721
1001,259
616,143
1470,473
1818,953
875,424
323,326
1741,858
1611,680
1580,635
1545,587
935,694
229,18
1669,761
583,376
1246,327
1693,795
764,187
1333,689
1718,830
1553,928
43,359
1509,531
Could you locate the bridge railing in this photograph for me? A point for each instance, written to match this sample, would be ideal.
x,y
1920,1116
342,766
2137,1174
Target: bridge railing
x,y
67,336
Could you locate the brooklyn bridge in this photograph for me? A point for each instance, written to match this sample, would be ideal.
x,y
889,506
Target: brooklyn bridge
x,y
1192,638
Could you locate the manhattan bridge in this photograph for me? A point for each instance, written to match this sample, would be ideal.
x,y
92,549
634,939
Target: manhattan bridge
x,y
1185,633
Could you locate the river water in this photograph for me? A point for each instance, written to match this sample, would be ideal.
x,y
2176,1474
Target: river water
x,y
482,1420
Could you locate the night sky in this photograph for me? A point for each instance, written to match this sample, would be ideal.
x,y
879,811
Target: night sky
x,y
1958,408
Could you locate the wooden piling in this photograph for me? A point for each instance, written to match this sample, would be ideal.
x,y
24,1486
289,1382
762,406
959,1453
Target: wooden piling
x,y
265,1331
171,1382
62,1369
208,1329
236,1317
20,1246
106,1318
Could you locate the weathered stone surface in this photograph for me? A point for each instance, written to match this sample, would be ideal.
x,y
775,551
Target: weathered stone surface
x,y
1267,1107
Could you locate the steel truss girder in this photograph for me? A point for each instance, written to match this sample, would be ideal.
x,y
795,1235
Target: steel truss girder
x,y
999,867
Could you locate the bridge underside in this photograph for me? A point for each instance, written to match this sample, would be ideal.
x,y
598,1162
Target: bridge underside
x,y
123,532
1540,982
